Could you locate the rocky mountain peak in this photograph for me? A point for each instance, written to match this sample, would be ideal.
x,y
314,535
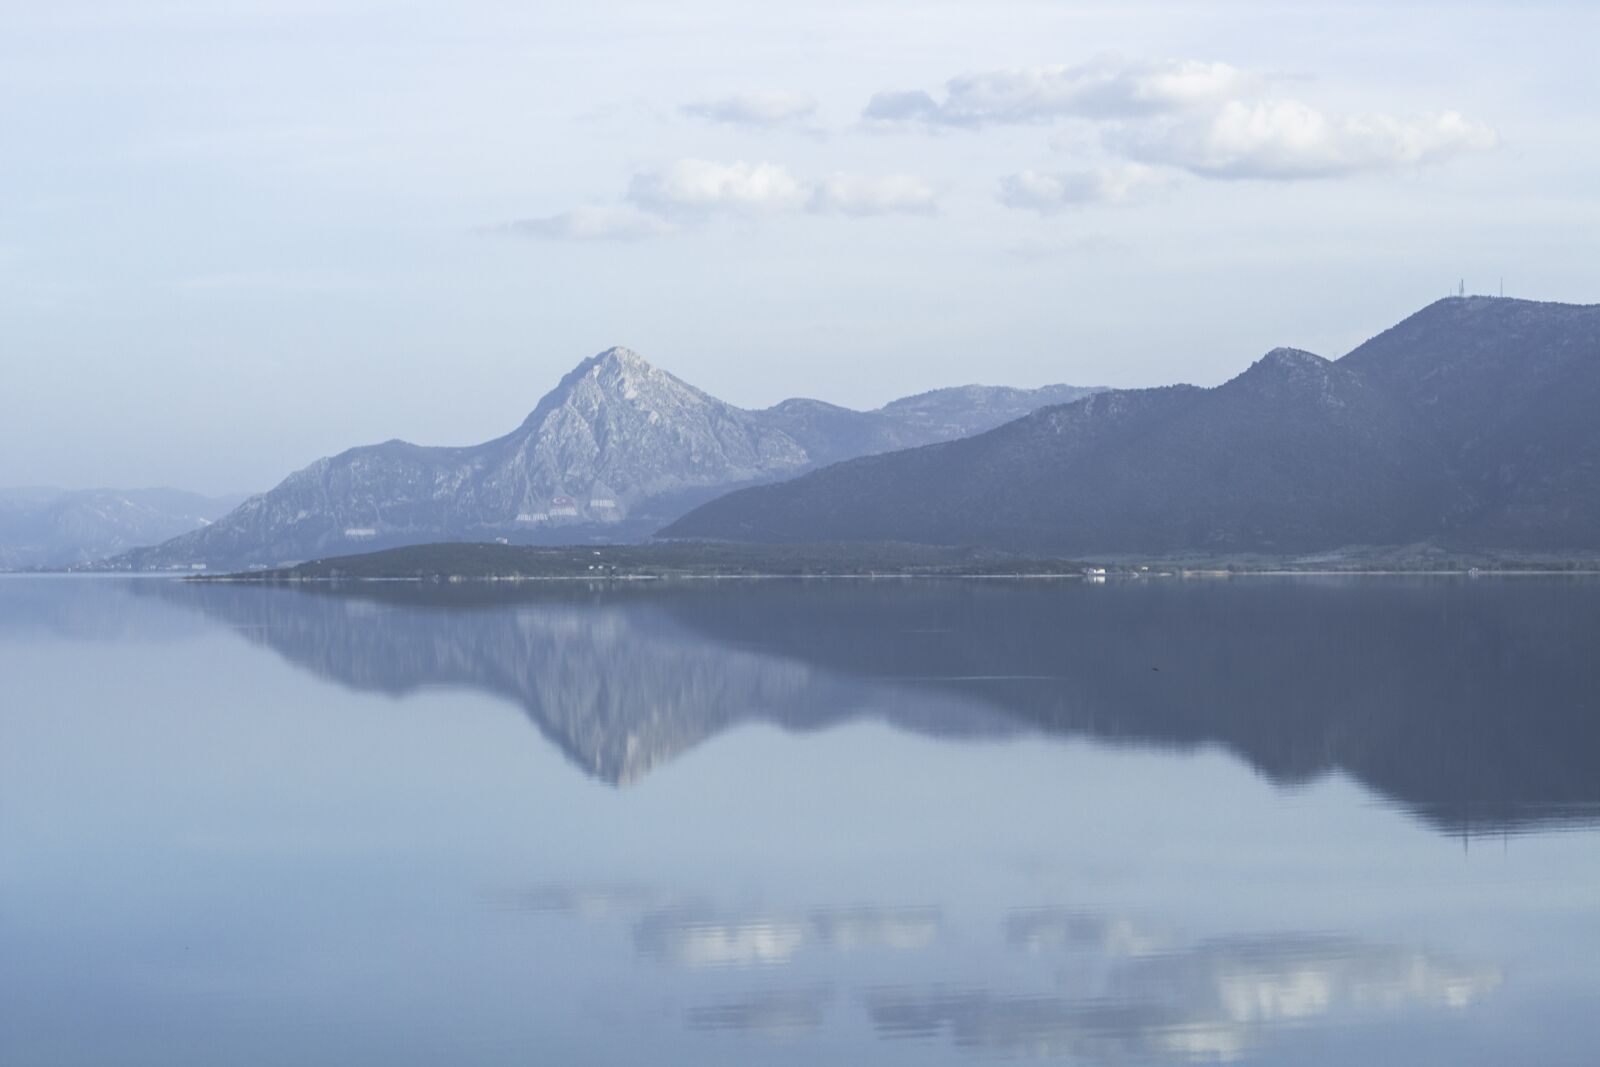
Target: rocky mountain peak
x,y
1284,367
1294,357
620,358
621,370
614,379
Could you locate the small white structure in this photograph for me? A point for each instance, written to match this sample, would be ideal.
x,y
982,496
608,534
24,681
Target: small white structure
x,y
360,533
603,502
532,517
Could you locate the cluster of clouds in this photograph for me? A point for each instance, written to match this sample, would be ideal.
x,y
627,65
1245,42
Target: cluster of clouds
x,y
691,192
1286,140
1209,120
1150,125
691,188
764,108
1048,193
1105,88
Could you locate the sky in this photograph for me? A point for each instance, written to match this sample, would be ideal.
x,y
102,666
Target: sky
x,y
235,237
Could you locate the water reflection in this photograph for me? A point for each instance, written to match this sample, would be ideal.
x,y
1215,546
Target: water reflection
x,y
689,931
283,870
1211,1000
1216,1000
1037,930
776,1013
695,938
1475,705
1107,988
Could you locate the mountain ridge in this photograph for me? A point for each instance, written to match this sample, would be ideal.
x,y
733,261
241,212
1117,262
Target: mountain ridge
x,y
615,450
1439,430
45,526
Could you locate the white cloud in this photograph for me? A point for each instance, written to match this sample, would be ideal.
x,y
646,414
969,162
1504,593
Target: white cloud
x,y
1048,193
698,186
763,107
1104,88
861,194
1286,139
607,222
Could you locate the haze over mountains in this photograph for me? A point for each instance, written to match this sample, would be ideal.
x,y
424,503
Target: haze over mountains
x,y
49,527
1472,423
617,449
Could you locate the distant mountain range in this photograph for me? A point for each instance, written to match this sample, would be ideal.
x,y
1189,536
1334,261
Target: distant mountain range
x,y
617,449
49,527
1472,423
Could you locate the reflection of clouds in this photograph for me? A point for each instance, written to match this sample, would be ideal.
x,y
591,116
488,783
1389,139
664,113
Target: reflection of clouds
x,y
691,941
772,1013
1043,929
1014,1025
696,939
1272,980
1122,991
847,929
591,902
1211,1001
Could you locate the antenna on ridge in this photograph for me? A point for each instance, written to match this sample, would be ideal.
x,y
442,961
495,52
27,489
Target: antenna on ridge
x,y
1462,291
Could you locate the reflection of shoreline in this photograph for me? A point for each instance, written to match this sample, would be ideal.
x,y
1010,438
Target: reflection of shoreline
x,y
1463,702
1112,989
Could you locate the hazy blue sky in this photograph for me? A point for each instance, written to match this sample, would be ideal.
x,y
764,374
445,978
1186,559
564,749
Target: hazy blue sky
x,y
236,236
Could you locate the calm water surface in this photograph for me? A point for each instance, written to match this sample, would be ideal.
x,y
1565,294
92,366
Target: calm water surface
x,y
1307,821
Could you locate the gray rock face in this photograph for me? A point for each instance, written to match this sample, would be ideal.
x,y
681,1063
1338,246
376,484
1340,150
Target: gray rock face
x,y
43,527
616,450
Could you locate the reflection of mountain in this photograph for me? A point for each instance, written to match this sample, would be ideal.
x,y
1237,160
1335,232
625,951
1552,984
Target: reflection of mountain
x,y
1473,703
615,681
1470,703
76,608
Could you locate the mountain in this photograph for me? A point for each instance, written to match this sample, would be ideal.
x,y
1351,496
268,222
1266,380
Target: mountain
x,y
830,433
49,527
1509,390
618,448
964,410
1470,423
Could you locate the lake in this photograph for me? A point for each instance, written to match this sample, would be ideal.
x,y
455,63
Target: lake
x,y
1258,820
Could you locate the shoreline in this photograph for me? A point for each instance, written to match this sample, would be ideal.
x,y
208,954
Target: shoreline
x,y
460,579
